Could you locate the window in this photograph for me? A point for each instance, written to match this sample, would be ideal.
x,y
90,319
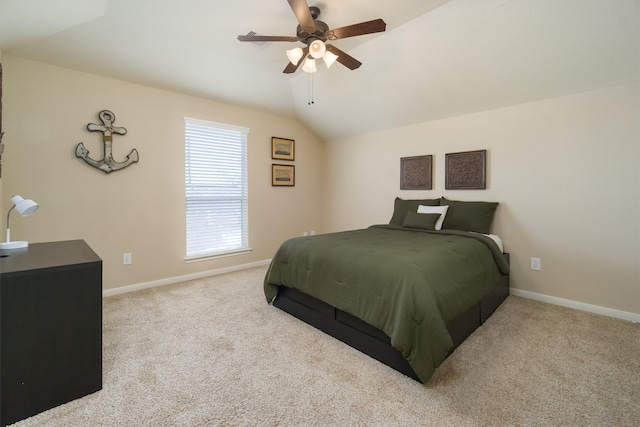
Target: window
x,y
216,188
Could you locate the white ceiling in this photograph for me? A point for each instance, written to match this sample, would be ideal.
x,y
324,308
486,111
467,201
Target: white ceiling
x,y
438,58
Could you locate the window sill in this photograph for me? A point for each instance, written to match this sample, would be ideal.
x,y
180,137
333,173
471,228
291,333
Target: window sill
x,y
206,257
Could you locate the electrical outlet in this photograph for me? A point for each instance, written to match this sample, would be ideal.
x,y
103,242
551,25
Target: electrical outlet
x,y
304,234
126,259
535,264
313,232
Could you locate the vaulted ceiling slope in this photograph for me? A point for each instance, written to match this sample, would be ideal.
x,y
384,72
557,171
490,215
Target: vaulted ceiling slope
x,y
438,58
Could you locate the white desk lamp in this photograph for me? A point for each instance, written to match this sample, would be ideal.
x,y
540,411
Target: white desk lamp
x,y
24,208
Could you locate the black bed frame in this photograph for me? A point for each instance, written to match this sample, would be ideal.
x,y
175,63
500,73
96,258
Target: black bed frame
x,y
372,341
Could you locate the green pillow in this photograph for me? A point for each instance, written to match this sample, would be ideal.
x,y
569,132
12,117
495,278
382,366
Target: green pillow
x,y
421,220
469,216
401,207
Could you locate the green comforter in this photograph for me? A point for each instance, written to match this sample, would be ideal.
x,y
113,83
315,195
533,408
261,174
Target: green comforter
x,y
408,283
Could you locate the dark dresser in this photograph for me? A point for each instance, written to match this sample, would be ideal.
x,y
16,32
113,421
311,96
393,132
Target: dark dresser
x,y
50,327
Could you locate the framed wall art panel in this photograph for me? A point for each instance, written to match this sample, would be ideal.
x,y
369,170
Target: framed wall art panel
x,y
282,148
283,175
466,170
415,173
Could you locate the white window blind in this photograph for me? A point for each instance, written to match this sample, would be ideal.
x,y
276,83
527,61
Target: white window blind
x,y
216,188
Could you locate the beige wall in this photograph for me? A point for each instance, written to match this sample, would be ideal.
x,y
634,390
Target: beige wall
x,y
139,209
565,171
2,202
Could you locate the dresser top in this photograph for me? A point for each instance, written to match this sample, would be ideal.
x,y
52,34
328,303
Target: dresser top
x,y
50,255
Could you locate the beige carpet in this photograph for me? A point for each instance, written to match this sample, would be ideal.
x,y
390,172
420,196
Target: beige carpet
x,y
212,352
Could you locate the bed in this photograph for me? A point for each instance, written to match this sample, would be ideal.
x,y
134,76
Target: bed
x,y
406,293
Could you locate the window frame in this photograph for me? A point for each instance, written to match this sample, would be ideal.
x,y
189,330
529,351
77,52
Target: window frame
x,y
220,128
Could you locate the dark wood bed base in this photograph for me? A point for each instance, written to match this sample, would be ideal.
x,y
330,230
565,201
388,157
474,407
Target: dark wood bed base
x,y
372,341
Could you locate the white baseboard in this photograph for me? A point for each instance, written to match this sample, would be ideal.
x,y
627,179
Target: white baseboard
x,y
618,314
178,279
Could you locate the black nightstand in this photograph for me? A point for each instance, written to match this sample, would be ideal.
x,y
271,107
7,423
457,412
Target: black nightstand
x,y
50,327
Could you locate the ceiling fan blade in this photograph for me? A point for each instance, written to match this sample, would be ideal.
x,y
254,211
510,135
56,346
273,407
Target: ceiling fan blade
x,y
301,10
375,26
291,68
257,38
347,60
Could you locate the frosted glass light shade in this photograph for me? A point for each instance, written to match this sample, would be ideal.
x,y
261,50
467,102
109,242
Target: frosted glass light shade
x,y
309,65
317,48
294,55
329,58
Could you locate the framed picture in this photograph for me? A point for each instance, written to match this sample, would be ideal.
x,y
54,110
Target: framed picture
x,y
282,148
415,172
283,175
466,170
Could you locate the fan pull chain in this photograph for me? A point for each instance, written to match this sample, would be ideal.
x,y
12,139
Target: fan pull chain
x,y
310,89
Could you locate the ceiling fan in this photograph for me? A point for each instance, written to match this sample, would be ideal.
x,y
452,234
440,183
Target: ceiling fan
x,y
314,33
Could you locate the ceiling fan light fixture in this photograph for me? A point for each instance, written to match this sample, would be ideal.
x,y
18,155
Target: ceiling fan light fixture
x,y
294,55
329,58
317,49
313,33
309,65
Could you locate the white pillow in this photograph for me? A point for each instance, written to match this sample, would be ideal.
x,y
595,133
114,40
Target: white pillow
x,y
442,210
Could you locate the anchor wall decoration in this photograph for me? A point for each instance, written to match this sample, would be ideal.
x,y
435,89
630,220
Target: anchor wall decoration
x,y
107,164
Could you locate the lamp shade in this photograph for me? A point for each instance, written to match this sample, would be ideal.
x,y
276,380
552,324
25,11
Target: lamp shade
x,y
294,55
309,65
329,58
24,207
317,48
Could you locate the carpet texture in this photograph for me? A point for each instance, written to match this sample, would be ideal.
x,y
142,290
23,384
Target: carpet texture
x,y
212,352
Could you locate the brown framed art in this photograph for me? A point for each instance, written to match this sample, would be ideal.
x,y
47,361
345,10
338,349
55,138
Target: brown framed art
x,y
466,170
282,148
415,173
283,175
